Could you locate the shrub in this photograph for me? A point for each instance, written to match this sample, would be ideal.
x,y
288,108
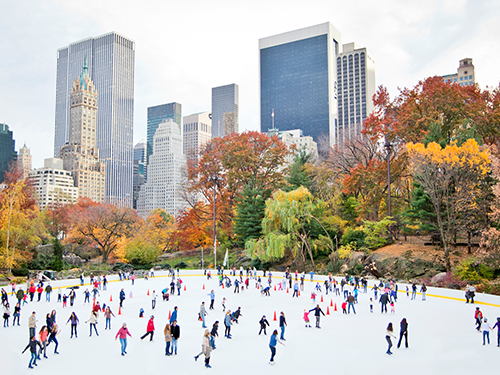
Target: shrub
x,y
377,233
21,271
467,270
490,287
345,251
355,236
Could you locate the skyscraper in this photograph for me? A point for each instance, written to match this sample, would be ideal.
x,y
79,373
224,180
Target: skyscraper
x,y
356,87
197,131
111,60
298,81
139,169
7,149
161,190
156,115
225,102
24,161
80,154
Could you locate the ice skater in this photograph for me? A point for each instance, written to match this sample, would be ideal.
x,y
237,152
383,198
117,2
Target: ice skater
x,y
93,322
53,337
123,332
168,339
206,349
403,332
282,326
74,322
317,313
306,319
272,345
486,331
263,322
389,333
150,329
478,315
107,314
32,347
228,323
202,313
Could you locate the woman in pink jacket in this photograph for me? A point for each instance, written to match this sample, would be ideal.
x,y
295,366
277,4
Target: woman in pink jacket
x,y
122,333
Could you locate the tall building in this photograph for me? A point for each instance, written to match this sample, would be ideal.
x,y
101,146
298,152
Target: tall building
x,y
7,149
139,169
225,102
80,154
53,185
161,190
298,81
197,131
465,74
158,114
24,161
355,87
111,60
300,142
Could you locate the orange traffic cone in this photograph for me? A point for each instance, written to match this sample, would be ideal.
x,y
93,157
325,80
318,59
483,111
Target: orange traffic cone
x,y
331,302
322,298
93,303
169,314
275,288
203,286
184,287
111,298
274,316
148,292
335,309
328,310
120,310
222,285
287,290
258,287
299,293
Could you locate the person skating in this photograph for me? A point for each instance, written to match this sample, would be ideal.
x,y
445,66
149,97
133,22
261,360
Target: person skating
x,y
150,330
497,326
32,345
17,314
202,313
282,326
228,323
206,349
214,333
263,322
236,315
350,303
423,290
6,314
403,332
73,319
123,332
389,333
306,319
53,337
173,316
478,315
153,300
168,338
384,299
486,331
317,313
122,297
93,322
272,345
107,314
43,334
212,300
32,324
176,334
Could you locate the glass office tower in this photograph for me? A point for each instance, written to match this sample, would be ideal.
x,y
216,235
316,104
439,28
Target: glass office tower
x,y
8,153
156,115
225,101
111,61
298,81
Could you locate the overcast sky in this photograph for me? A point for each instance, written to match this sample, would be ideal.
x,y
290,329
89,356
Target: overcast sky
x,y
186,47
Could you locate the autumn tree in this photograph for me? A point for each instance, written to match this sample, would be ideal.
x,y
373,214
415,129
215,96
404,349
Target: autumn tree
x,y
192,228
21,225
452,177
251,160
100,225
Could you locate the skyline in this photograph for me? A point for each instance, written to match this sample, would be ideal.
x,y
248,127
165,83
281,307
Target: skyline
x,y
179,61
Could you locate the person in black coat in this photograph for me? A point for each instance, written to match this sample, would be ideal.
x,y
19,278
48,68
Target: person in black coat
x,y
384,299
317,313
403,332
263,322
32,346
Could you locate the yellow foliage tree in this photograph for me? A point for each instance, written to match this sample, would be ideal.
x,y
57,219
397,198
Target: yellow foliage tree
x,y
453,177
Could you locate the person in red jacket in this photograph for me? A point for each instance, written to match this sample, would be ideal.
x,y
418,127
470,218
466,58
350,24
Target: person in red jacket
x,y
32,291
40,291
478,315
151,329
122,333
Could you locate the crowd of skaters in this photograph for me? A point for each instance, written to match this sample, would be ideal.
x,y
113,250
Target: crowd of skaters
x,y
349,287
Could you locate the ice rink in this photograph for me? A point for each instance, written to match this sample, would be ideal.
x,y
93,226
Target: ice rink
x,y
441,333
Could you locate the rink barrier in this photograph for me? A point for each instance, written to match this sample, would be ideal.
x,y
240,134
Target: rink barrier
x,y
281,277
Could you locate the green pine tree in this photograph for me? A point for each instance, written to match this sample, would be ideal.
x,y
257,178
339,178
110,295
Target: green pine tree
x,y
250,209
57,248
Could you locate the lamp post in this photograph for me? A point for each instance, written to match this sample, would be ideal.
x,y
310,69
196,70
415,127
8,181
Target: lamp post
x,y
215,180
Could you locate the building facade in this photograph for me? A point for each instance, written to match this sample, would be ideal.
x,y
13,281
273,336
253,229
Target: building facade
x,y
465,75
111,61
225,103
24,161
298,81
80,155
139,169
196,132
355,90
156,115
53,185
8,153
166,164
296,139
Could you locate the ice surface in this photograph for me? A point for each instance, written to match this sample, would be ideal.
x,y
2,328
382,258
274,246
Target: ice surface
x,y
442,337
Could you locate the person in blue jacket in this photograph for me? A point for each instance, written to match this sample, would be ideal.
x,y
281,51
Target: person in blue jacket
x,y
272,345
174,315
317,313
122,297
